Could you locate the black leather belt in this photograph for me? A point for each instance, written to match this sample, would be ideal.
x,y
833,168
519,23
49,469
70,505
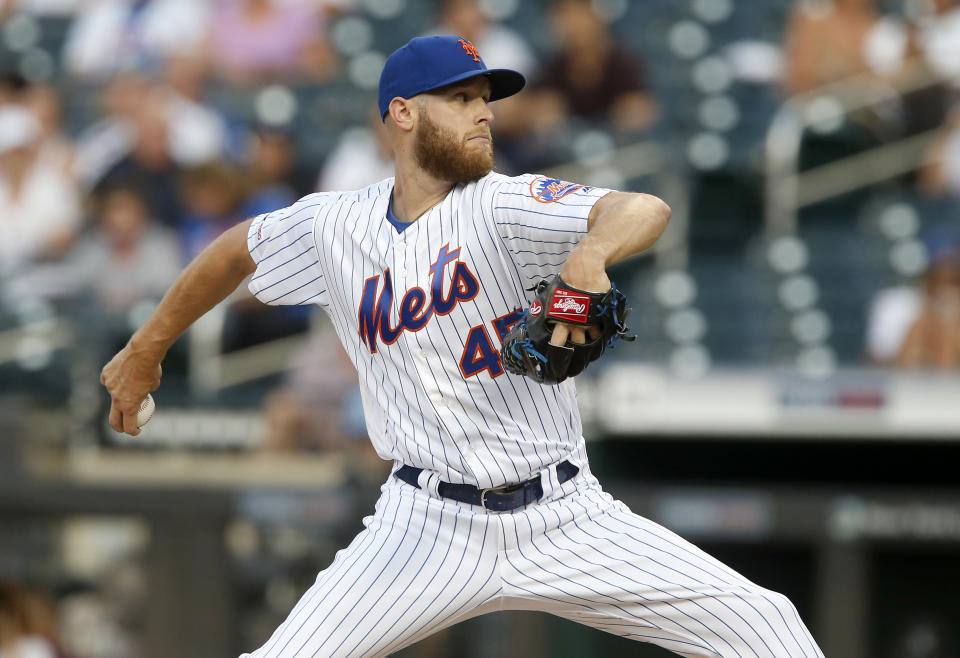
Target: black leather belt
x,y
504,498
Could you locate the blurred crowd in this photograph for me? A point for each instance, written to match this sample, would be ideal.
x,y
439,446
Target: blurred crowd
x,y
841,40
103,217
163,169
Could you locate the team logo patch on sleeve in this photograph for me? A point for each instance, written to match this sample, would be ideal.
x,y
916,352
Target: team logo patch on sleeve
x,y
549,190
569,306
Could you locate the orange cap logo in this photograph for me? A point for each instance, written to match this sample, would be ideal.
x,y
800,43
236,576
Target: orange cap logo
x,y
470,49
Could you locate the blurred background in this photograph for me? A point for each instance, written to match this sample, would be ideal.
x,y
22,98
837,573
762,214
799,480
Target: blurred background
x,y
792,404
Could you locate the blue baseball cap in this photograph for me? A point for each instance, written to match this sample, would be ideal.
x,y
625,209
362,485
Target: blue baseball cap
x,y
428,63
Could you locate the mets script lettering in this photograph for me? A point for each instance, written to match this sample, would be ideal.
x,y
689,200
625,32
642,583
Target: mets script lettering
x,y
414,309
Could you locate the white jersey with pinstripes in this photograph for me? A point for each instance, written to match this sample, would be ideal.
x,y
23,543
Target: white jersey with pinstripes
x,y
421,313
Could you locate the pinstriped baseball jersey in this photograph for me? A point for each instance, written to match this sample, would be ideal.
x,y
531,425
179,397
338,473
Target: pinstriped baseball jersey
x,y
421,312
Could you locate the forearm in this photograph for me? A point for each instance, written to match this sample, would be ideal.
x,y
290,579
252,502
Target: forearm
x,y
205,282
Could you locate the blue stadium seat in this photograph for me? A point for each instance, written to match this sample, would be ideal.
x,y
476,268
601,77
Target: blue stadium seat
x,y
731,296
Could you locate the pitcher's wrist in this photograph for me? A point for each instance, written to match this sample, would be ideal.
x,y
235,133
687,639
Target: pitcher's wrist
x,y
586,269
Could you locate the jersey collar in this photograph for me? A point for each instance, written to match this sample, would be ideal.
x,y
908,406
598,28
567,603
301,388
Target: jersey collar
x,y
397,224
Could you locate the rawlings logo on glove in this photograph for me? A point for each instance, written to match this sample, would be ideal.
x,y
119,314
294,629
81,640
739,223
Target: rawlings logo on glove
x,y
527,349
570,306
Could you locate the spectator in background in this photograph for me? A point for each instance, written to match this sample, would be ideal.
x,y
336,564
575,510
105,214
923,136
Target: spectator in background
x,y
149,166
274,178
590,77
197,130
832,41
44,8
268,173
108,140
312,411
215,197
27,624
362,156
253,40
12,86
829,40
319,407
932,33
891,314
127,258
499,46
55,147
43,101
937,33
40,206
212,196
113,36
154,126
933,341
940,174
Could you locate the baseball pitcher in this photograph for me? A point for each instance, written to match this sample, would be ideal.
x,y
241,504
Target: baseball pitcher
x,y
468,301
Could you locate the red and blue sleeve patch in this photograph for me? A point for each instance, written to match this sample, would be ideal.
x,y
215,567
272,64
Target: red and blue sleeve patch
x,y
550,190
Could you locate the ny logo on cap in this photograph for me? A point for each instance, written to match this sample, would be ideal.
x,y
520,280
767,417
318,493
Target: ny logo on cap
x,y
470,49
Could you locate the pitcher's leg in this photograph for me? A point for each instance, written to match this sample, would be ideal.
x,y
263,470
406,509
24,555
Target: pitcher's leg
x,y
420,564
762,619
591,560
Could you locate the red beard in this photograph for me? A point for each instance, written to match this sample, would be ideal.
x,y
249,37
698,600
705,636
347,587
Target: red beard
x,y
443,156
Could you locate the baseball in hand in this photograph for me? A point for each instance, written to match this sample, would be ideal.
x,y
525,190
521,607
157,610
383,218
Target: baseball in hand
x,y
145,413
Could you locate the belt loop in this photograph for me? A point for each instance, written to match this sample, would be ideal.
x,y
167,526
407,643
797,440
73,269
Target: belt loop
x,y
549,481
429,482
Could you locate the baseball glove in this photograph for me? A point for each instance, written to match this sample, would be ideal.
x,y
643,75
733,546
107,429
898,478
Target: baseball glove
x,y
527,349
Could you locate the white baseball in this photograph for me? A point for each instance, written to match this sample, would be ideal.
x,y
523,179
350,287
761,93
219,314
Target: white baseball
x,y
145,413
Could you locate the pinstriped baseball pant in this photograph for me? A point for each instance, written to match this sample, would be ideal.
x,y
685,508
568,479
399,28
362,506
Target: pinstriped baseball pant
x,y
424,563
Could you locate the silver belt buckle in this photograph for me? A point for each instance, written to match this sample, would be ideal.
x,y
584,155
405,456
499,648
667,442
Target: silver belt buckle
x,y
501,488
